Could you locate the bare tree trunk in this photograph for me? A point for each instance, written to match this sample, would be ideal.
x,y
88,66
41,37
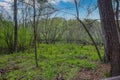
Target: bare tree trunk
x,y
15,26
35,34
117,17
77,11
111,35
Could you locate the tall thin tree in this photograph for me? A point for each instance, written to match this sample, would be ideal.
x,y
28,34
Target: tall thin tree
x,y
35,33
15,27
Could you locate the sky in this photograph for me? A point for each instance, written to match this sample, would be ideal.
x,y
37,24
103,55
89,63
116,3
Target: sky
x,y
66,8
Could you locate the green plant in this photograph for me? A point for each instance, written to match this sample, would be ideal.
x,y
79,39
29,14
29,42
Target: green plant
x,y
107,74
24,38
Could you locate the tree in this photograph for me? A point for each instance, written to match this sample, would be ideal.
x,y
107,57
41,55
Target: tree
x,y
35,33
77,14
15,27
110,35
51,29
117,16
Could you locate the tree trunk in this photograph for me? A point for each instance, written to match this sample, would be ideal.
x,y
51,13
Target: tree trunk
x,y
15,27
111,35
117,16
35,34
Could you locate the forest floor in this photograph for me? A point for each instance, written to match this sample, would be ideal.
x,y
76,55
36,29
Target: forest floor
x,y
66,61
100,72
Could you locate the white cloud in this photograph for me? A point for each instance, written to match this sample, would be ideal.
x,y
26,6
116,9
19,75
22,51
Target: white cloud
x,y
8,1
5,5
57,1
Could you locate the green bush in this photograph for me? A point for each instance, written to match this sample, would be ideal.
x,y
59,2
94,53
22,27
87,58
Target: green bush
x,y
24,38
7,36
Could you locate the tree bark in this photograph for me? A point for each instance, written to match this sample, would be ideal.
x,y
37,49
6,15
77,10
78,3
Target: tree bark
x,y
117,16
111,35
15,27
35,34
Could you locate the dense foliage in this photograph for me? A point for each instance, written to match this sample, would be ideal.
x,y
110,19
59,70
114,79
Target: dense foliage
x,y
56,30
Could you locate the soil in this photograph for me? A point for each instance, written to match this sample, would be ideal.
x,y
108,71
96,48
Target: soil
x,y
96,74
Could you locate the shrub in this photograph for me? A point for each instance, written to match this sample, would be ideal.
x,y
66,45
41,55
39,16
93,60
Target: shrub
x,y
24,38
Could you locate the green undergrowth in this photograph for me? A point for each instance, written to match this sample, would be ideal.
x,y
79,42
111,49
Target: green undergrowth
x,y
64,59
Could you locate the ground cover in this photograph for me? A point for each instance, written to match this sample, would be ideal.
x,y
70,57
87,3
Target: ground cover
x,y
66,61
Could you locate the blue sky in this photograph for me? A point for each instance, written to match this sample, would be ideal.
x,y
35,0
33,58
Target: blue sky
x,y
66,8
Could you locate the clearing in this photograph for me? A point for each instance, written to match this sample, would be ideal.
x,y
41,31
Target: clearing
x,y
66,61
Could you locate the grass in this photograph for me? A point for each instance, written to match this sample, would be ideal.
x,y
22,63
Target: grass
x,y
64,59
